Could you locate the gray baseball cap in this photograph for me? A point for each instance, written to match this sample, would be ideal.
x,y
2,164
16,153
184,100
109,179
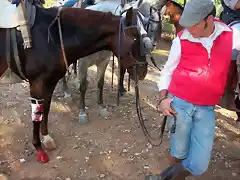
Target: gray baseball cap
x,y
195,11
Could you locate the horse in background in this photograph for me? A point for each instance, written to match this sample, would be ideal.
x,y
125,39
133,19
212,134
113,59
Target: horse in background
x,y
152,23
60,36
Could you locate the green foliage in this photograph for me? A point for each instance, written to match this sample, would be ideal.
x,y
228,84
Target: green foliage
x,y
49,3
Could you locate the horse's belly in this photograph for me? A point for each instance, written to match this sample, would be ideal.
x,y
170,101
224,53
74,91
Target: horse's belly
x,y
8,15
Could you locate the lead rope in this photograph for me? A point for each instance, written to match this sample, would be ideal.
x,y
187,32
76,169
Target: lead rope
x,y
57,18
150,139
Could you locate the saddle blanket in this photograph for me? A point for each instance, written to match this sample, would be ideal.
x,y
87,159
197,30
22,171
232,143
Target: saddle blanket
x,y
8,14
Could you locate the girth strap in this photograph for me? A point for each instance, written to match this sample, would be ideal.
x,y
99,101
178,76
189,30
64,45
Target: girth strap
x,y
9,77
8,46
15,52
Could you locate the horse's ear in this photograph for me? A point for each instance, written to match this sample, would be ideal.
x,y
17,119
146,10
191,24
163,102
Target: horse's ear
x,y
129,16
139,3
123,2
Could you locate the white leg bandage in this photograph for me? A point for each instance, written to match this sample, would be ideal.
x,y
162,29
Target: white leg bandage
x,y
37,110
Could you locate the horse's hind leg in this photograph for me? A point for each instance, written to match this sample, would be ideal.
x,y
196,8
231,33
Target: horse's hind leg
x,y
122,90
75,69
82,86
101,69
40,108
65,87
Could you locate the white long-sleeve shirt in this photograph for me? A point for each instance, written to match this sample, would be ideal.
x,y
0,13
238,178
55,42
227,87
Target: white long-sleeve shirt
x,y
175,51
230,3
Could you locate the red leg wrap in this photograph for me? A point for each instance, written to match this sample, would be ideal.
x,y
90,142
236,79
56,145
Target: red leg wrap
x,y
42,156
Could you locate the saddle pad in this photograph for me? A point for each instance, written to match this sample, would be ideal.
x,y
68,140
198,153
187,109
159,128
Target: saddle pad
x,y
8,15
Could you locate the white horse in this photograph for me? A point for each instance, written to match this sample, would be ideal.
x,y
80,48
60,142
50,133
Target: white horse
x,y
149,18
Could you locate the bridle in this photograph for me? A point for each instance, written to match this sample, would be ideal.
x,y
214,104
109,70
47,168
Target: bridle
x,y
150,139
151,20
153,141
122,29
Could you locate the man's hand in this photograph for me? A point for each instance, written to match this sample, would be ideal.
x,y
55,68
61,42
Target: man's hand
x,y
164,104
165,107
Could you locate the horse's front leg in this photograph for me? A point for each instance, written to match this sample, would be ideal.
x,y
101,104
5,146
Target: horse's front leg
x,y
101,69
82,86
122,90
47,139
39,115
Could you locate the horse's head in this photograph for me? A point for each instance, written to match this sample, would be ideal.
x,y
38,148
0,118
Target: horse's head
x,y
154,25
129,50
151,19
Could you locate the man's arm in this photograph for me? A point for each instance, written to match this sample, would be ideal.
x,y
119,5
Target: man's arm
x,y
232,4
169,67
236,43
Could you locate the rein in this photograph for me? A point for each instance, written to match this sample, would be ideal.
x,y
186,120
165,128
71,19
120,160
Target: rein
x,y
142,36
151,140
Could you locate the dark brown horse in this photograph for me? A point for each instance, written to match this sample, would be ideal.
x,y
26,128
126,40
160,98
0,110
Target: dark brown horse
x,y
83,32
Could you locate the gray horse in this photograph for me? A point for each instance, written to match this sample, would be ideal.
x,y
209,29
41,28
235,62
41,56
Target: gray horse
x,y
151,20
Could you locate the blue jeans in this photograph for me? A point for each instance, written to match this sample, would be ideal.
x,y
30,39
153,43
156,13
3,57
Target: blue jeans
x,y
194,135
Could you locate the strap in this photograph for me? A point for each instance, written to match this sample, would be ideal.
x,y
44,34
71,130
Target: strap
x,y
15,52
8,47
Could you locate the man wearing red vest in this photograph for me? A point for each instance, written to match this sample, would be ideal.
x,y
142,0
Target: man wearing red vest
x,y
191,84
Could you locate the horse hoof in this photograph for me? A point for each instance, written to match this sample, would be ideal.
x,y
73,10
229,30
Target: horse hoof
x,y
103,113
66,95
122,91
48,142
83,118
42,156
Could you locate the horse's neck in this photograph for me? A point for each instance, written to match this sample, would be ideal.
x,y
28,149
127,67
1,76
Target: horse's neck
x,y
87,37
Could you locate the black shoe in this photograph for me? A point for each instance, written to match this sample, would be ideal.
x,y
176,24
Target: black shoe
x,y
170,173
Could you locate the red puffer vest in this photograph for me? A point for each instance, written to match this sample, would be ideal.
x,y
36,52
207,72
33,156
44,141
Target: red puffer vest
x,y
199,79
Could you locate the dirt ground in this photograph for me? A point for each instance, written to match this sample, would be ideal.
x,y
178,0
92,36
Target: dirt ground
x,y
108,149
